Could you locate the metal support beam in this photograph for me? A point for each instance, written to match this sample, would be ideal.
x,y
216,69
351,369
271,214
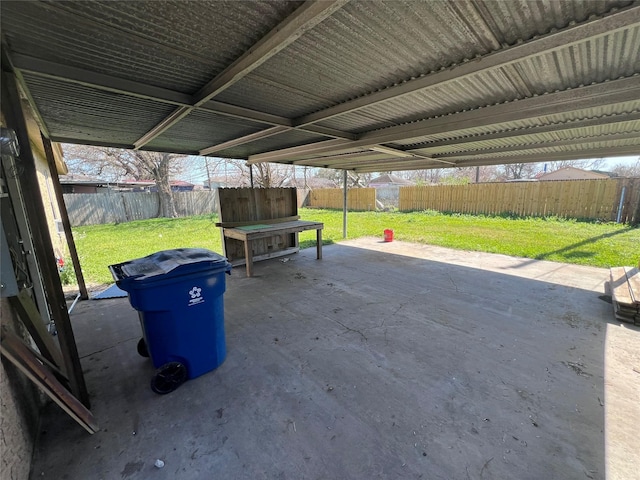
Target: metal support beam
x,y
243,140
355,163
394,152
177,115
398,164
87,78
336,159
12,111
309,149
344,204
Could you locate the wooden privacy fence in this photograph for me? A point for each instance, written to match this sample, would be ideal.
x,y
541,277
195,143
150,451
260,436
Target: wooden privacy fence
x,y
588,199
358,199
118,207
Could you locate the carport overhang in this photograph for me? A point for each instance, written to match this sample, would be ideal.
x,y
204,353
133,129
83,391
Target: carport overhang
x,y
364,86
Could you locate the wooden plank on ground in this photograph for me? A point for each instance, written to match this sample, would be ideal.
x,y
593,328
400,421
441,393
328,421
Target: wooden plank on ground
x,y
633,278
620,286
19,354
624,316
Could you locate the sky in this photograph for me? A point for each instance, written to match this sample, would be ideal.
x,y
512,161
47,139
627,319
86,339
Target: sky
x,y
614,161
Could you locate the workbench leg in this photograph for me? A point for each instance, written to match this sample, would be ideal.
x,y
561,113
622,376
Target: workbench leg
x,y
319,243
248,256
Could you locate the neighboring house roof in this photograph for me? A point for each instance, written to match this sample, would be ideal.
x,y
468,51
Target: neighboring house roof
x,y
85,180
389,179
572,173
229,181
180,183
75,179
608,174
136,183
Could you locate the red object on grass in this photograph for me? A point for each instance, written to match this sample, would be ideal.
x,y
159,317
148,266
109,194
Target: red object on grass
x,y
388,235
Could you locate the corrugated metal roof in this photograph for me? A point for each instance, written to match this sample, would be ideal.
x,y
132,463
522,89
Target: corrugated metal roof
x,y
76,112
156,42
349,76
367,46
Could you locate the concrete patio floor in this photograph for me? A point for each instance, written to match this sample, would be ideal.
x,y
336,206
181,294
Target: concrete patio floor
x,y
383,360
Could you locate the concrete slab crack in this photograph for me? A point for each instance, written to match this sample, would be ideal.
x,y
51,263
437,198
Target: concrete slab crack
x,y
351,329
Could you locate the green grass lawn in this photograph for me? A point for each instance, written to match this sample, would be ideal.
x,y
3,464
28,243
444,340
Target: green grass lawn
x,y
570,241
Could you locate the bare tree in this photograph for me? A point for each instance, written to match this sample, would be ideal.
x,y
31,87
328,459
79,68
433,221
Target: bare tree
x,y
632,170
115,164
354,179
265,175
589,164
431,175
268,175
517,171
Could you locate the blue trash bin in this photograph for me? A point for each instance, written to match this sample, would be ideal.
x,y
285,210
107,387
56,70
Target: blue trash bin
x,y
179,296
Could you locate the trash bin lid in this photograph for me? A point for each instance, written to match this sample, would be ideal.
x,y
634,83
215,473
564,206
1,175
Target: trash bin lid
x,y
168,263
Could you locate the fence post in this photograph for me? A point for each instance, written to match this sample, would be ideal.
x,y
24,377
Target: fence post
x,y
634,219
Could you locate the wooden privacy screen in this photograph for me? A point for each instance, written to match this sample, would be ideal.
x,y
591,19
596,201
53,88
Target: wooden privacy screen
x,y
252,206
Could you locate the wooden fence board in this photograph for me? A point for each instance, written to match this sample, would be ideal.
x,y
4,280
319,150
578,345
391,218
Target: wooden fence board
x,y
119,207
358,199
591,199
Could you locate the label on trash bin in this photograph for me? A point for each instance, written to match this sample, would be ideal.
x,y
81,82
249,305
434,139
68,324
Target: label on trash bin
x,y
195,295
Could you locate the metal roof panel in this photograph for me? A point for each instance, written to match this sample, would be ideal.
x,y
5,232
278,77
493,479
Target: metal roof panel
x,y
195,132
76,111
158,42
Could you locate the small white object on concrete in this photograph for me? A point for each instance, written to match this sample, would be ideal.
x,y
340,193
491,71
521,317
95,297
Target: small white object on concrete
x,y
159,463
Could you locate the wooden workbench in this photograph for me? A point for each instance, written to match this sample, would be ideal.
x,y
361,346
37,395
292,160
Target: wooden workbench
x,y
261,223
248,233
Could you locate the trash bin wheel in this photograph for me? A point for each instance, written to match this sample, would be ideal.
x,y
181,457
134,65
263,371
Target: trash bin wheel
x,y
143,351
169,377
